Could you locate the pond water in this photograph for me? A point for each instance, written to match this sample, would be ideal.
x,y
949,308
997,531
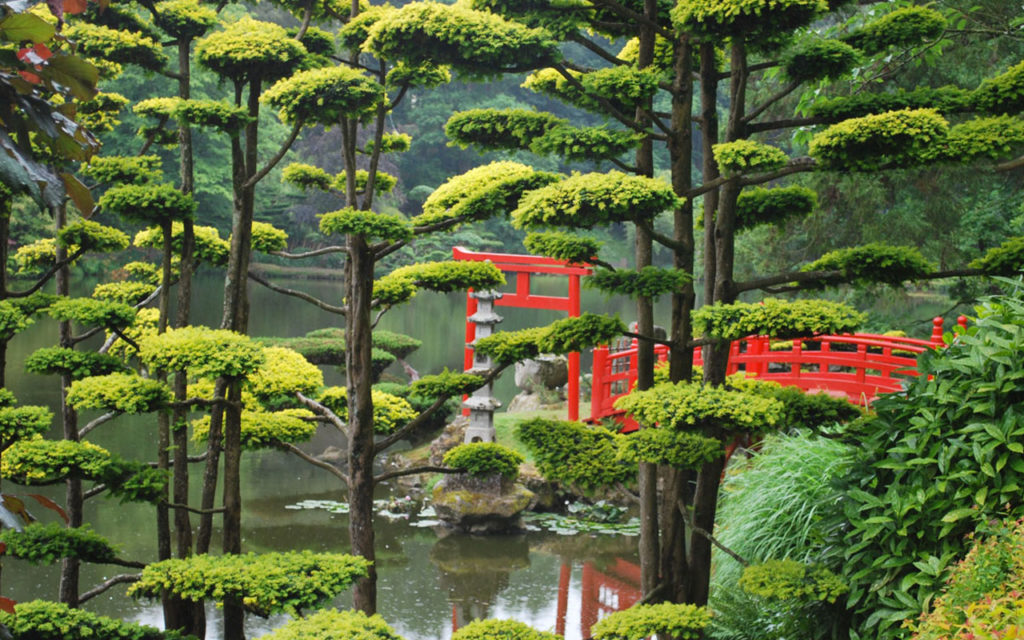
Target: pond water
x,y
430,583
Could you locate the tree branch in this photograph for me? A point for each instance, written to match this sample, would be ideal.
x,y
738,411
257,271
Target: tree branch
x,y
785,91
297,294
175,505
326,466
259,175
124,578
106,417
412,471
688,518
322,410
309,254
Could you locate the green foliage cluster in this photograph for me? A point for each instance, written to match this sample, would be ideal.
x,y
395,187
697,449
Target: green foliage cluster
x,y
679,449
209,246
948,100
777,318
127,292
46,620
306,176
624,88
1007,259
12,320
22,423
330,624
934,462
77,364
592,199
745,156
385,226
211,113
583,332
804,410
1003,93
390,412
583,456
149,204
985,139
263,429
446,384
681,621
816,59
185,19
92,313
477,43
903,27
686,405
99,115
324,96
40,462
159,108
649,282
484,459
123,169
203,352
266,238
584,144
264,584
116,46
36,256
319,44
47,543
391,143
397,344
420,401
450,275
284,373
873,263
511,129
478,193
504,629
982,599
91,236
886,140
572,248
789,579
761,205
250,49
146,272
507,347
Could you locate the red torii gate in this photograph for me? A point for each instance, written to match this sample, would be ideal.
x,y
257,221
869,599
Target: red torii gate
x,y
524,267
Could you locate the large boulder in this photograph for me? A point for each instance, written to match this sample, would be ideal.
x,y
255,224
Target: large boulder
x,y
542,373
481,505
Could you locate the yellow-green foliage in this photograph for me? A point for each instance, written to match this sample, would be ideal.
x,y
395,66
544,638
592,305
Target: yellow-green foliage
x,y
149,204
984,596
46,620
99,114
986,138
122,47
423,74
77,364
40,462
391,143
481,192
45,544
306,177
384,226
789,580
317,42
948,100
506,347
283,374
146,272
263,429
121,392
680,621
903,27
630,52
324,96
265,584
584,456
126,291
561,336
203,352
36,256
185,19
776,318
93,313
623,87
331,624
21,423
745,18
249,49
156,107
591,199
504,629
892,139
649,282
570,247
446,384
209,246
91,236
12,320
680,449
211,113
1003,93
484,458
144,325
745,156
872,263
123,169
1007,259
820,60
402,283
476,42
687,405
266,238
585,143
762,205
389,411
499,128
353,34
382,182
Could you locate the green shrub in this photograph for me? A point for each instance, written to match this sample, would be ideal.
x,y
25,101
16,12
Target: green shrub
x,y
681,621
504,629
48,543
44,620
484,458
330,624
575,454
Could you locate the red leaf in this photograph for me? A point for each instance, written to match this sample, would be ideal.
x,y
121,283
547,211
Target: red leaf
x,y
30,77
75,7
6,604
50,504
3,548
36,55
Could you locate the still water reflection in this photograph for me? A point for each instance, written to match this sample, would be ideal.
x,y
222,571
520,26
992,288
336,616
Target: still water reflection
x,y
430,583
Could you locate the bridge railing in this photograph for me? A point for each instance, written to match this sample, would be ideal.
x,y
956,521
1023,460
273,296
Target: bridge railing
x,y
855,366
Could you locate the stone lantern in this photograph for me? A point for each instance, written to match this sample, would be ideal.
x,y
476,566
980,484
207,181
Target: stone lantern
x,y
482,403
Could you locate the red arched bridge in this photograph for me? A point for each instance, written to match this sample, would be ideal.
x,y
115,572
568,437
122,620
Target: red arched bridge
x,y
857,366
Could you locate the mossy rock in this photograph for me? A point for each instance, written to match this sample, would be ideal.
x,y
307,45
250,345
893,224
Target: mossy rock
x,y
481,505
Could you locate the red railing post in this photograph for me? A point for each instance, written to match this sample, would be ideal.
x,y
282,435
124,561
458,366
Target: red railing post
x,y
467,360
574,357
598,390
936,338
